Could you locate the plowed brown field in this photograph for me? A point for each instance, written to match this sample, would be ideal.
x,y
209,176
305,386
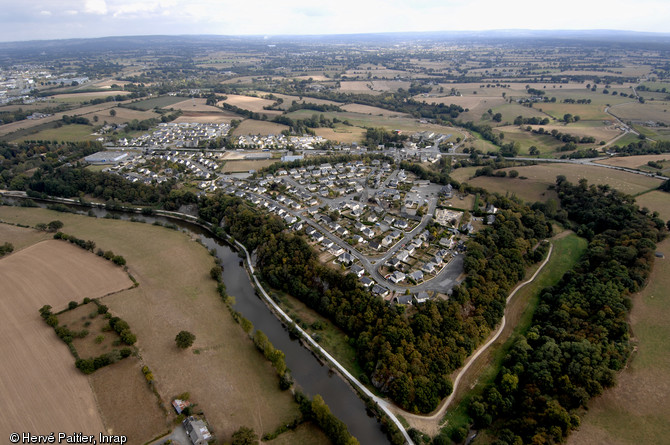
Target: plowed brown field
x,y
41,389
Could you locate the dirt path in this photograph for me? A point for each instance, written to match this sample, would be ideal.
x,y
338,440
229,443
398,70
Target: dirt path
x,y
428,423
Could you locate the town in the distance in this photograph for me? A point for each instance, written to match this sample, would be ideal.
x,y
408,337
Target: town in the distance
x,y
421,238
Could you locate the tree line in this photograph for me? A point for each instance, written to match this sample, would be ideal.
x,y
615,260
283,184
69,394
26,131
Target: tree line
x,y
579,337
406,355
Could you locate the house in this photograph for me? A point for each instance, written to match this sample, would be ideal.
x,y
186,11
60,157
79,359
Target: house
x,y
447,242
402,255
422,297
417,275
345,258
394,262
397,277
402,299
337,250
357,270
378,290
197,431
367,282
358,239
179,405
401,224
387,241
368,232
374,245
429,267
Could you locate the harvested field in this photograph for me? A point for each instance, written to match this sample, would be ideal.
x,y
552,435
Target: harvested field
x,y
229,379
39,377
21,237
635,161
72,133
254,104
636,411
585,112
288,100
357,86
470,101
160,102
250,126
24,124
528,190
124,397
656,201
194,104
74,97
650,111
542,176
366,109
223,117
245,166
122,115
600,132
343,134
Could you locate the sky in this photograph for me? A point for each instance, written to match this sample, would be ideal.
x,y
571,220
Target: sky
x,y
61,19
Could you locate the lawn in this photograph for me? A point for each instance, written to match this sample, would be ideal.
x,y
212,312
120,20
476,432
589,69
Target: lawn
x,y
568,248
636,411
160,102
229,379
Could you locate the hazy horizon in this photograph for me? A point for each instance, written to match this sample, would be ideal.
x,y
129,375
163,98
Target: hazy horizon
x,y
66,19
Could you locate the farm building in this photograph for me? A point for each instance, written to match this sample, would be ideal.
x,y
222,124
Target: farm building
x,y
197,431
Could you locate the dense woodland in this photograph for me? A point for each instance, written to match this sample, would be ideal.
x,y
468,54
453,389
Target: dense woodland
x,y
579,337
407,355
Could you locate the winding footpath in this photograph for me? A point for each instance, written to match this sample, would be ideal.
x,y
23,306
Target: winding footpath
x,y
445,404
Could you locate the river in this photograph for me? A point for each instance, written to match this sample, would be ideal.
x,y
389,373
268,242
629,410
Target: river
x,y
307,371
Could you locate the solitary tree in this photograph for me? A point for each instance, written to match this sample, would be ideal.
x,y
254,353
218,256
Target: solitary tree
x,y
184,339
245,436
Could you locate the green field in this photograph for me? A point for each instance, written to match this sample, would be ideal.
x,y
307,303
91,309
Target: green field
x,y
568,248
70,133
160,102
637,411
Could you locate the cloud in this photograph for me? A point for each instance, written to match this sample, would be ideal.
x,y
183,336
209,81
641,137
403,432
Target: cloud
x,y
45,12
98,7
